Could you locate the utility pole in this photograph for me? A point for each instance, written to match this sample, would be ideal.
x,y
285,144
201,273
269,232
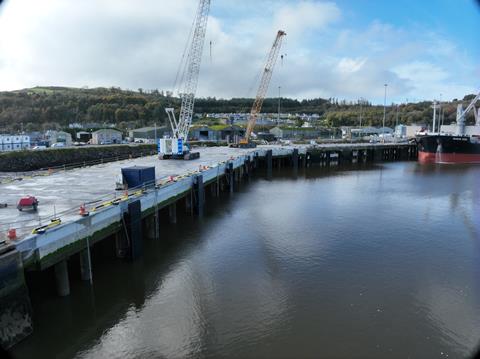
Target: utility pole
x,y
384,111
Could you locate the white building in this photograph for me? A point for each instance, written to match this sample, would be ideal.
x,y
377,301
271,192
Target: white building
x,y
364,132
64,139
14,142
106,136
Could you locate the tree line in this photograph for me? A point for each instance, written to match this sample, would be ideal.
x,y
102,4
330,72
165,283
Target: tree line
x,y
42,108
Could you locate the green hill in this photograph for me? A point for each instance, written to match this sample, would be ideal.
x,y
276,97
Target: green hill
x,y
52,107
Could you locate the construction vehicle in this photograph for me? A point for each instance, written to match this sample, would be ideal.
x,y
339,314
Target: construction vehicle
x,y
261,93
176,147
28,203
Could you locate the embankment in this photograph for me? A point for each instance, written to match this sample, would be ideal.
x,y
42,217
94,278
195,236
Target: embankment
x,y
20,161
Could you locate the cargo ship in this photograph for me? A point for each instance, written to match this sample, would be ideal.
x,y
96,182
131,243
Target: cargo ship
x,y
457,147
448,149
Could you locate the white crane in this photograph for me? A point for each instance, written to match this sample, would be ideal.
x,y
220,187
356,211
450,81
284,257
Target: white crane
x,y
461,115
174,147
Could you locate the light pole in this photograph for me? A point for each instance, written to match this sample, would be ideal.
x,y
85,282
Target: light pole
x,y
278,116
384,111
156,142
361,111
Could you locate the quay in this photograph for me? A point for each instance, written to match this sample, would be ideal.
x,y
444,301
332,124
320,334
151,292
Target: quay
x,y
131,217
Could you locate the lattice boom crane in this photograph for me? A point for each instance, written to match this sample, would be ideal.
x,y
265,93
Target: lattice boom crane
x,y
188,87
263,88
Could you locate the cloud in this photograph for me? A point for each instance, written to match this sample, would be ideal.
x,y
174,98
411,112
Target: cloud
x,y
303,17
348,65
135,44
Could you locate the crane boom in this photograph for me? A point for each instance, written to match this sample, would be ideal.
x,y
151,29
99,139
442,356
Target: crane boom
x,y
264,83
461,115
471,105
190,75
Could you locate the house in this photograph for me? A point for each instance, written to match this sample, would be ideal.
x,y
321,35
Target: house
x,y
106,136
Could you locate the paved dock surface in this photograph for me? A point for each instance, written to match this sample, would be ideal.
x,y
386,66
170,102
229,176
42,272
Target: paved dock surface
x,y
63,192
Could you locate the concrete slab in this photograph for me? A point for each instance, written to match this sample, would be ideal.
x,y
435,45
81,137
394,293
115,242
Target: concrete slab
x,y
63,192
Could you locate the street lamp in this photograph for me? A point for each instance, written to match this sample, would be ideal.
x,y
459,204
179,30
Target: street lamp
x,y
384,111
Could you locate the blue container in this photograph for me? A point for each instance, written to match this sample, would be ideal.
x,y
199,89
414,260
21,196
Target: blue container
x,y
138,176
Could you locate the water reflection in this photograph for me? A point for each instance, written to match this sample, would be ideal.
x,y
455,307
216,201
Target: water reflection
x,y
378,262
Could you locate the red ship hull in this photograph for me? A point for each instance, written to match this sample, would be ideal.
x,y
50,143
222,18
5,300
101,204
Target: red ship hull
x,y
428,157
448,149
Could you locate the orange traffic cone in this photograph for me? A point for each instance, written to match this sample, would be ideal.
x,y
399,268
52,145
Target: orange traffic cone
x,y
83,211
12,234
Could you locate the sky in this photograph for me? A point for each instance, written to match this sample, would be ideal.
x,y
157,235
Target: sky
x,y
347,49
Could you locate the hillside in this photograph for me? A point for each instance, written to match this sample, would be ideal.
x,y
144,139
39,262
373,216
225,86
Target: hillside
x,y
42,108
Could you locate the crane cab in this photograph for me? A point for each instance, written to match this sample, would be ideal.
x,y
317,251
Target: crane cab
x,y
175,149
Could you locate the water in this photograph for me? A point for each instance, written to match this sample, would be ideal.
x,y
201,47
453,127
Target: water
x,y
382,262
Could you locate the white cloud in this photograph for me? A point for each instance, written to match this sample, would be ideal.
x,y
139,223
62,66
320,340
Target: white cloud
x,y
296,19
348,65
136,44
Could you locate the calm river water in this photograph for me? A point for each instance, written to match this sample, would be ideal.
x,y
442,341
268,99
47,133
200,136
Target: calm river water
x,y
382,262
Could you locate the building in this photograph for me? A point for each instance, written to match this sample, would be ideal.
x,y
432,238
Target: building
x,y
301,133
37,137
14,142
364,132
83,136
64,139
401,131
228,133
148,134
266,136
106,136
203,133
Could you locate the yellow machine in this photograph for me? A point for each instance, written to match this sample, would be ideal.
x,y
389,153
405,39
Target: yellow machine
x,y
262,92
